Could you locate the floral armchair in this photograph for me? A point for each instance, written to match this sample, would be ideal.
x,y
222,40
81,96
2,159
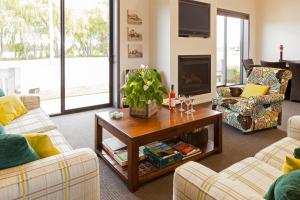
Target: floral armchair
x,y
254,113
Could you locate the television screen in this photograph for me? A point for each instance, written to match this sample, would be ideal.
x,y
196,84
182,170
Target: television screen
x,y
194,18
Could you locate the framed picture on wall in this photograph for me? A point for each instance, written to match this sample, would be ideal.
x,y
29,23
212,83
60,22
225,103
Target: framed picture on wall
x,y
134,17
134,34
135,51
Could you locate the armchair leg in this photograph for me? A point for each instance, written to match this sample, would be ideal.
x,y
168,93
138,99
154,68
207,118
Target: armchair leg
x,y
279,118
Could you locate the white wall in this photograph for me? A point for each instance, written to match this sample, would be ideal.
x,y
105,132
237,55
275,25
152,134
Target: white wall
x,y
127,63
165,51
278,22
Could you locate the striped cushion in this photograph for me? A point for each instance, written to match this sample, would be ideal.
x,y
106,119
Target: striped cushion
x,y
35,121
73,175
59,141
253,174
275,154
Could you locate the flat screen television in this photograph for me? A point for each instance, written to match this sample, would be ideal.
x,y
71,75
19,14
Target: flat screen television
x,y
194,19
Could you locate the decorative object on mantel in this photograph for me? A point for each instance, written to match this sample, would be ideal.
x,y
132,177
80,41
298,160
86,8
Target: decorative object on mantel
x,y
281,53
143,91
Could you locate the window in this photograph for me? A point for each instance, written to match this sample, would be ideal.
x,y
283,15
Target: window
x,y
232,46
58,49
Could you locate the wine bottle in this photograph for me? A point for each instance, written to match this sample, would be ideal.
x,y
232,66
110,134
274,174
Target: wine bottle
x,y
172,100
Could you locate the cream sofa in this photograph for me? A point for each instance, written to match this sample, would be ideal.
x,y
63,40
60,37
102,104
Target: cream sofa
x,y
247,179
73,174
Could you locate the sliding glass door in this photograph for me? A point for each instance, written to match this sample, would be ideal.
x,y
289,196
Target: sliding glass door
x,y
232,47
29,50
87,71
58,49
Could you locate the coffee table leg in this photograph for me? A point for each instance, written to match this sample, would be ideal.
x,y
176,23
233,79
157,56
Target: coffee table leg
x,y
98,136
133,165
218,134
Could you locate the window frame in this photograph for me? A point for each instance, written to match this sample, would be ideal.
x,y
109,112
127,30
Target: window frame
x,y
243,16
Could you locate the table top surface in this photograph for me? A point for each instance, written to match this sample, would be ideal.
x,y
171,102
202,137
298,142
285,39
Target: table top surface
x,y
164,119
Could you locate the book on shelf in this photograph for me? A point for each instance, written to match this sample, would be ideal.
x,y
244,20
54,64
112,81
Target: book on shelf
x,y
187,150
161,155
118,151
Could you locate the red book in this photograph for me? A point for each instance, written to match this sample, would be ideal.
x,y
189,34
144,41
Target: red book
x,y
186,149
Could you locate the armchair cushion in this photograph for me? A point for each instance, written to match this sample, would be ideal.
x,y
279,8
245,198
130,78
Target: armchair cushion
x,y
254,90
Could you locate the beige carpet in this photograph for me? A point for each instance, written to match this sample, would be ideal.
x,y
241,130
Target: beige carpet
x,y
79,131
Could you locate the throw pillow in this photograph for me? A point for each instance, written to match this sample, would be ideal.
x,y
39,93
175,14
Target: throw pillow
x,y
14,151
42,144
2,130
254,90
290,164
2,94
11,107
285,187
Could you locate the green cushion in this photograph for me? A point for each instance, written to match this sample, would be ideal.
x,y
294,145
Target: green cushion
x,y
14,151
2,130
285,187
297,153
1,93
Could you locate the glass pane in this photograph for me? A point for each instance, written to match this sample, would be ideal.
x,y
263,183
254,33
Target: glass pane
x,y
87,53
233,50
29,50
221,51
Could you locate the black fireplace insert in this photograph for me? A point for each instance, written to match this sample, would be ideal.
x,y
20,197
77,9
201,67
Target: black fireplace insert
x,y
194,74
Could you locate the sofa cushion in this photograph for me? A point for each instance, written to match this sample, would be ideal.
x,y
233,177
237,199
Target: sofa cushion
x,y
253,174
14,151
42,144
11,107
275,154
59,141
255,90
35,121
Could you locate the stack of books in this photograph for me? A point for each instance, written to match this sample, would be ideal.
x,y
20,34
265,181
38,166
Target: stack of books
x,y
118,151
161,155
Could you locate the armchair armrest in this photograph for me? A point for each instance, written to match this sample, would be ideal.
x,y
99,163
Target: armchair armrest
x,y
71,175
193,181
266,99
293,127
31,101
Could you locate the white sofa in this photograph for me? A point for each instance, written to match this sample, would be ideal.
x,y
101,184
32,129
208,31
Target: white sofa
x,y
73,174
247,179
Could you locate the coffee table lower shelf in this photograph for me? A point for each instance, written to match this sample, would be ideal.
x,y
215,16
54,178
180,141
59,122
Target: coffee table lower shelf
x,y
206,151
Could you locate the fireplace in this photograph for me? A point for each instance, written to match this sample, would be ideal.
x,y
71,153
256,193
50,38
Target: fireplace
x,y
194,74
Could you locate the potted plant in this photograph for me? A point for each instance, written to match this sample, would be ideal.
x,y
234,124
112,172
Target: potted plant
x,y
144,91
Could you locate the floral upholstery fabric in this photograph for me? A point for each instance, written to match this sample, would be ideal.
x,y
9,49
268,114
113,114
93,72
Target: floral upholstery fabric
x,y
254,113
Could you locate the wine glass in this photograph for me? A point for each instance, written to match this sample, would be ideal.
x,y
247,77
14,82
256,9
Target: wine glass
x,y
181,100
192,99
187,101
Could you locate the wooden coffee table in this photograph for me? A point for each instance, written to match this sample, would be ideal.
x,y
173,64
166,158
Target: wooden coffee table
x,y
135,132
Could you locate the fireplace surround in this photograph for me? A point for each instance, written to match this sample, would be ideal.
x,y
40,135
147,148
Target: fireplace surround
x,y
194,74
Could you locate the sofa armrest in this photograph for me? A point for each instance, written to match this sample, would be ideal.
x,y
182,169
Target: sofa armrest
x,y
293,127
31,101
193,181
266,99
71,175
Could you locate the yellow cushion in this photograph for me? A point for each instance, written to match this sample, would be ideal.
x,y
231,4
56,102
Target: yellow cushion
x,y
252,90
290,164
11,107
42,144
